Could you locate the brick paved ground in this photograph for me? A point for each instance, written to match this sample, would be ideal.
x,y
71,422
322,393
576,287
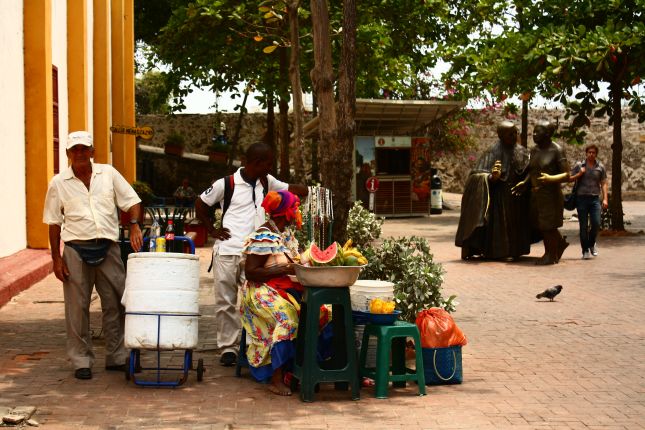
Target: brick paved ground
x,y
576,363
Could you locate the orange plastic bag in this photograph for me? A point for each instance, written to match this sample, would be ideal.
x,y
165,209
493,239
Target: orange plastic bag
x,y
438,329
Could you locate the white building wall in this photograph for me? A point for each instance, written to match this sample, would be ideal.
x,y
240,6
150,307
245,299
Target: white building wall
x,y
13,233
90,65
59,59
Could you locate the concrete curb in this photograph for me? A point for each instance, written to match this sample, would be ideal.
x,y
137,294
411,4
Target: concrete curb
x,y
21,270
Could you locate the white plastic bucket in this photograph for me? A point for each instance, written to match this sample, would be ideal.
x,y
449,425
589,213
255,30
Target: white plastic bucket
x,y
166,285
364,290
370,358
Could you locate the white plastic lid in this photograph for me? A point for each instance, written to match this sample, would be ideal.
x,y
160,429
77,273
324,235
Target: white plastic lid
x,y
373,283
163,255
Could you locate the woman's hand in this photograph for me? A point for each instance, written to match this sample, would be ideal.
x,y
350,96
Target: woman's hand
x,y
553,179
519,188
544,178
288,269
256,271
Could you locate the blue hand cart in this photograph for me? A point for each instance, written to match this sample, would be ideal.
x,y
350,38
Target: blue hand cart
x,y
142,375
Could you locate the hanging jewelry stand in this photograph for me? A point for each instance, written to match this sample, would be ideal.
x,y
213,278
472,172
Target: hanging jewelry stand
x,y
318,216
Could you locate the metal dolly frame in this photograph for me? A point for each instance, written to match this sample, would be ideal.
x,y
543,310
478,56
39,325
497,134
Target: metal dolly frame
x,y
132,362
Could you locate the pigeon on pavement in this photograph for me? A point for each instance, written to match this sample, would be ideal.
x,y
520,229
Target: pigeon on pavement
x,y
550,293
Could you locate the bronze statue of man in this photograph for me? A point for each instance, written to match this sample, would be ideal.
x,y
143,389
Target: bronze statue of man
x,y
548,168
493,221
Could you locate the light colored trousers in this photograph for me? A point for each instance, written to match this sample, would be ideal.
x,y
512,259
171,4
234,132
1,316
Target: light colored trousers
x,y
109,280
228,273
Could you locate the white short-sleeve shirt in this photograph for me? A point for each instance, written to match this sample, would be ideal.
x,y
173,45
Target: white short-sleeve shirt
x,y
244,214
88,214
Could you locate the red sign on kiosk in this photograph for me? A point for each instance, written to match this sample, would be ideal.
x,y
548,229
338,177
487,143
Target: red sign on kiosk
x,y
372,184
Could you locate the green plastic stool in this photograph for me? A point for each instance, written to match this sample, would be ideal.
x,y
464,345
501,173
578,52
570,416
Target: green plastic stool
x,y
342,367
392,337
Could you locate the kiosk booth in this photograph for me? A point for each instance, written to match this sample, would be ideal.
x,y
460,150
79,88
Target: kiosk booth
x,y
392,156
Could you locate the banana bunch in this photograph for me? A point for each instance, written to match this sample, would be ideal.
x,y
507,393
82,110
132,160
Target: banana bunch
x,y
379,306
351,256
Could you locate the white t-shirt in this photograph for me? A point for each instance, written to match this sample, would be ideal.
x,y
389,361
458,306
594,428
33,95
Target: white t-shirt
x,y
243,215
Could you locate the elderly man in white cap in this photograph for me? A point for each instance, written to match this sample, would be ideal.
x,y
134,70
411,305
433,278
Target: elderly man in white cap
x,y
81,209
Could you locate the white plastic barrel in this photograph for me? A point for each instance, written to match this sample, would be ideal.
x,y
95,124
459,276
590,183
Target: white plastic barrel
x,y
364,290
165,284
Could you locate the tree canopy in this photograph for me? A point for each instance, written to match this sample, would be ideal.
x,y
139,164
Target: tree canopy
x,y
561,49
152,94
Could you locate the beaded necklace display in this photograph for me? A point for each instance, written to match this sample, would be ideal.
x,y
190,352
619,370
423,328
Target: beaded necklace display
x,y
318,215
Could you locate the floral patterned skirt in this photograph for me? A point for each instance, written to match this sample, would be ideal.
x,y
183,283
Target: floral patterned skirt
x,y
271,322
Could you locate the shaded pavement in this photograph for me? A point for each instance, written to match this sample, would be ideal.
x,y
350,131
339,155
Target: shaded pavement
x,y
576,363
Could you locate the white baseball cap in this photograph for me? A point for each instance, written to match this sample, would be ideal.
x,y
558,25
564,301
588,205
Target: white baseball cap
x,y
79,138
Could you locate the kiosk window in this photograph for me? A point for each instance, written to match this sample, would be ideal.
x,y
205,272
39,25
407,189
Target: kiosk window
x,y
392,161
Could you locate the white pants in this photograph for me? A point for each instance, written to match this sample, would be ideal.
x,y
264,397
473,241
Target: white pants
x,y
228,273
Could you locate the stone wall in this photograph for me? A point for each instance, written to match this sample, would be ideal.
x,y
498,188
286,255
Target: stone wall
x,y
199,129
455,168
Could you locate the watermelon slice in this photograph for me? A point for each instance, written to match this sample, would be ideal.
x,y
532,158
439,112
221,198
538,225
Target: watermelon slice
x,y
321,257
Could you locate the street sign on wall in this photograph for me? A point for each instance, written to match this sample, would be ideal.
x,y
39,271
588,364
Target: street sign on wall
x,y
144,132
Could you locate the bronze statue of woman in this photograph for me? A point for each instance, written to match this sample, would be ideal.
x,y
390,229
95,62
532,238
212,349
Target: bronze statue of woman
x,y
548,168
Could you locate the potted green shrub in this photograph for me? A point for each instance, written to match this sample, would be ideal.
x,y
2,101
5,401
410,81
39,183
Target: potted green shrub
x,y
144,192
218,151
174,144
406,261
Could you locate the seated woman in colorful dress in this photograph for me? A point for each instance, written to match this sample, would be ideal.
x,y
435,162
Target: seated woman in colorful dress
x,y
270,300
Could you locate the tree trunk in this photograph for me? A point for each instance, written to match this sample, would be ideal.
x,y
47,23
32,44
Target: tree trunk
x,y
315,157
346,122
616,202
283,104
296,91
238,128
322,79
524,137
269,136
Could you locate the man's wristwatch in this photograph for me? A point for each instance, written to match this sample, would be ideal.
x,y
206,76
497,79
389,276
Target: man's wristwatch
x,y
133,221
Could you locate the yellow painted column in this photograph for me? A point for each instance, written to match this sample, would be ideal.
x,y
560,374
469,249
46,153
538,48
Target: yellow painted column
x,y
118,140
39,116
130,166
101,81
77,64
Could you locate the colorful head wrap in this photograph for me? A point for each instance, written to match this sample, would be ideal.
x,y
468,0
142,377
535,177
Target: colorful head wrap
x,y
283,203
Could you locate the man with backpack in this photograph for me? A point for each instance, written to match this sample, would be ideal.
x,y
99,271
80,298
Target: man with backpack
x,y
240,196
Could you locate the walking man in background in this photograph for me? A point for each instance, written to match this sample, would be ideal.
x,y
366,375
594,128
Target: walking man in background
x,y
242,215
592,179
81,209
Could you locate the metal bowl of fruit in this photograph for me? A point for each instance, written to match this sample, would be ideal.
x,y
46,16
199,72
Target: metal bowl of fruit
x,y
327,276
